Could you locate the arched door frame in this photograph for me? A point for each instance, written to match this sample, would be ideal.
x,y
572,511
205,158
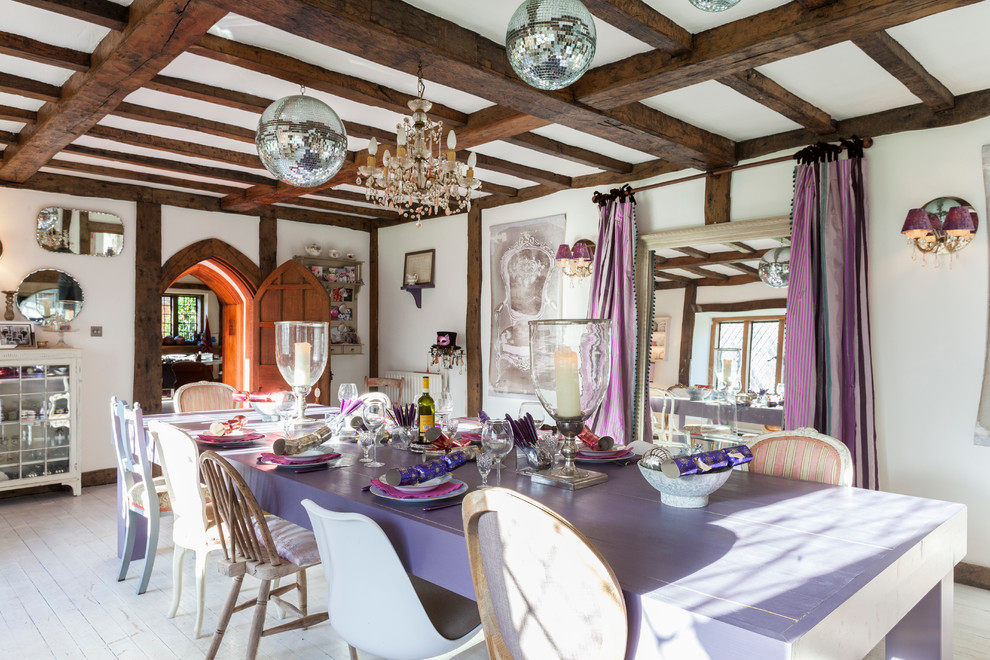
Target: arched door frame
x,y
235,279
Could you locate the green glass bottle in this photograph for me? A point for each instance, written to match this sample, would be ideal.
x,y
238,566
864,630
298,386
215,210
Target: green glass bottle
x,y
426,409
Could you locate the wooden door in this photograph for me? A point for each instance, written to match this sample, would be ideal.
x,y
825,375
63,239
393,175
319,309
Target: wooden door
x,y
290,293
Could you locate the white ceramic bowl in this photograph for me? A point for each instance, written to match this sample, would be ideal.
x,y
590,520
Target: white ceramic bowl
x,y
689,492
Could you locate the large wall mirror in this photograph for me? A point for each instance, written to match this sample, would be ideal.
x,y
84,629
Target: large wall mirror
x,y
49,296
80,232
720,261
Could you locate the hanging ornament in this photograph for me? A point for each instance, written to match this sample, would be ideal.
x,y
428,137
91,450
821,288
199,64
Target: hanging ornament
x,y
301,140
550,43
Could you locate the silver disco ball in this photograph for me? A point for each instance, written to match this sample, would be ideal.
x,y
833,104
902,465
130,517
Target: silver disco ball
x,y
714,5
550,43
301,140
775,267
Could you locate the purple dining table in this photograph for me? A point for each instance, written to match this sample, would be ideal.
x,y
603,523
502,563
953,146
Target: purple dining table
x,y
772,568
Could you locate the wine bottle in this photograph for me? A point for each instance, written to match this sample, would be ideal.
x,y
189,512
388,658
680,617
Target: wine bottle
x,y
426,409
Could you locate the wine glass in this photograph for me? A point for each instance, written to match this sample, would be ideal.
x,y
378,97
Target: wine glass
x,y
496,439
450,426
535,410
285,408
485,462
367,440
374,414
346,392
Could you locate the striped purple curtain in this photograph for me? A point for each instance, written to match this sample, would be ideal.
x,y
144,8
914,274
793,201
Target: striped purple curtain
x,y
828,369
613,296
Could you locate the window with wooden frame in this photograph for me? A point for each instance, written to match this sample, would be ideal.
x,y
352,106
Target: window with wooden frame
x,y
761,340
182,315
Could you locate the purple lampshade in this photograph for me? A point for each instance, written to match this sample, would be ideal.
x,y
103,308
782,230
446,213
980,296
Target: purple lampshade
x,y
564,252
959,222
918,224
581,251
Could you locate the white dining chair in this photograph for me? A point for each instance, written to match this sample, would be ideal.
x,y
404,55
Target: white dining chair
x,y
194,527
802,454
204,395
134,473
374,605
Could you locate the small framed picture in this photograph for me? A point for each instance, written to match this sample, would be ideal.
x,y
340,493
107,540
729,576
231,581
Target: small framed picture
x,y
419,267
317,271
16,334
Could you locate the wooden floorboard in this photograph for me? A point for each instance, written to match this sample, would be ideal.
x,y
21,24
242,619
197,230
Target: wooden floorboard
x,y
59,597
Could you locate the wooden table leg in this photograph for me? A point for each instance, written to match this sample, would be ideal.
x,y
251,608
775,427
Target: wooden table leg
x,y
925,633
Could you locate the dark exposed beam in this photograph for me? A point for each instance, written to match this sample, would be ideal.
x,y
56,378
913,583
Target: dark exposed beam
x,y
9,113
687,334
122,63
705,281
574,154
32,89
718,198
705,273
898,62
181,120
763,90
180,147
523,171
744,306
770,36
101,12
641,21
744,268
726,258
692,252
741,247
25,48
135,175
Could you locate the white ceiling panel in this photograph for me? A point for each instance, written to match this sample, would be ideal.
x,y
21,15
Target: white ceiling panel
x,y
721,110
40,72
501,179
489,19
696,20
50,28
530,158
142,184
244,30
841,80
599,145
20,101
184,134
11,126
952,46
147,170
212,111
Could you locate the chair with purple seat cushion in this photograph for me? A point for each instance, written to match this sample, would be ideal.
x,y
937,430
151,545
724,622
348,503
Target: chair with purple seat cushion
x,y
258,544
802,454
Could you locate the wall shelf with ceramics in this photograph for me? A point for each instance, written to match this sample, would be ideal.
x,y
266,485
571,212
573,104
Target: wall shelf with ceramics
x,y
342,279
39,419
417,292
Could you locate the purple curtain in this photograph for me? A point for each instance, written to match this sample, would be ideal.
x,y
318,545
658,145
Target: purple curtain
x,y
828,367
613,296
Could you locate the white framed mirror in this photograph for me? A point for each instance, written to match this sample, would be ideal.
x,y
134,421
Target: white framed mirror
x,y
74,231
49,296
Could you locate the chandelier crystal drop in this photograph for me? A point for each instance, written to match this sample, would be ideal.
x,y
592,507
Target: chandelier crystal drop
x,y
714,5
421,179
550,43
301,140
775,267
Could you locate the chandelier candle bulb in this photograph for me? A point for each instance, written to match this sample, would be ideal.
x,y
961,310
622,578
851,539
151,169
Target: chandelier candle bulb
x,y
303,353
567,384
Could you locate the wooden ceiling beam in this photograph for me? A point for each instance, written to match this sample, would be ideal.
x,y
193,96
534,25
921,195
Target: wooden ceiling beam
x,y
144,177
898,62
693,252
25,48
569,152
704,272
733,280
674,277
770,36
756,86
723,258
744,268
641,21
181,120
816,4
208,93
99,12
501,166
122,62
741,247
9,113
337,207
395,34
32,89
180,147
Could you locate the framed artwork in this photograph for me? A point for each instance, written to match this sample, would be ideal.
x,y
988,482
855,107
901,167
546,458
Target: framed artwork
x,y
16,334
419,265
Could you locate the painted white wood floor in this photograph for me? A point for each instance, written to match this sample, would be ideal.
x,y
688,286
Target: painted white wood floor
x,y
59,596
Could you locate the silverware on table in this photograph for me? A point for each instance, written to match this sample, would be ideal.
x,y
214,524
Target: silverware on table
x,y
442,506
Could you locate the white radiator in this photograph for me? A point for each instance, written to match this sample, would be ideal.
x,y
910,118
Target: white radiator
x,y
412,385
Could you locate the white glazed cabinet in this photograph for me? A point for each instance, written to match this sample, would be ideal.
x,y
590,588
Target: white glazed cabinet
x,y
39,418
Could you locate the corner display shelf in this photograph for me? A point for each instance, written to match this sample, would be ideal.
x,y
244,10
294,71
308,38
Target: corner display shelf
x,y
39,418
334,275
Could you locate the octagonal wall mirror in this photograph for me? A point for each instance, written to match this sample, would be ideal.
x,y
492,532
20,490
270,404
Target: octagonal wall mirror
x,y
75,231
49,297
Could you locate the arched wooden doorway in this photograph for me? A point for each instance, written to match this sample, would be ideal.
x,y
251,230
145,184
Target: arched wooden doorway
x,y
234,278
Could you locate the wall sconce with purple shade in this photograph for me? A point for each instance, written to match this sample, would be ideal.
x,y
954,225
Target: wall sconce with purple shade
x,y
944,226
576,261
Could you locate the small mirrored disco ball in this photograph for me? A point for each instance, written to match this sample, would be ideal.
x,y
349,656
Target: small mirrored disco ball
x,y
550,43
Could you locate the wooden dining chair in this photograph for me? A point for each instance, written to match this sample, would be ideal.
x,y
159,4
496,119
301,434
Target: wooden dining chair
x,y
204,395
253,543
543,589
134,474
393,387
802,454
412,618
194,527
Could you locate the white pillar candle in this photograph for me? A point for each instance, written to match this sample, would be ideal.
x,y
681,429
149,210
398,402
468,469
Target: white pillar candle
x,y
726,370
567,384
303,352
47,304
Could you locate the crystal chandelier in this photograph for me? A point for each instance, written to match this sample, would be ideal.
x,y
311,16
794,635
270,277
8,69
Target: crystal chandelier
x,y
419,180
550,43
301,141
714,5
775,267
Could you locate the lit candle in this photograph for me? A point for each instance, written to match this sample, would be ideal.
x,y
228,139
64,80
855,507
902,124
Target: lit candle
x,y
47,304
567,384
303,351
726,370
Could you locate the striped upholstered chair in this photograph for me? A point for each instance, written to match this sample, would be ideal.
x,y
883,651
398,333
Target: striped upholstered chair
x,y
802,454
204,395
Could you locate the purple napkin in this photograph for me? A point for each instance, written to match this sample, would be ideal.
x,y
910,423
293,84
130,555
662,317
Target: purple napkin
x,y
269,457
206,437
442,489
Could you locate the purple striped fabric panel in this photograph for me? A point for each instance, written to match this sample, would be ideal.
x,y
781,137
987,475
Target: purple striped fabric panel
x,y
799,343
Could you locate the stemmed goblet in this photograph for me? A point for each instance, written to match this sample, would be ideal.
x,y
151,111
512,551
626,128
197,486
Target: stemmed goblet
x,y
301,349
485,461
496,439
285,408
374,414
346,392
